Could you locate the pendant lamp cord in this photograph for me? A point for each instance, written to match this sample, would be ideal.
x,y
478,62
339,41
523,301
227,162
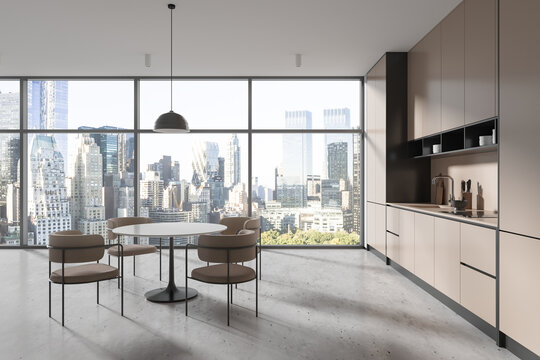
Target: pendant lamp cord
x,y
171,60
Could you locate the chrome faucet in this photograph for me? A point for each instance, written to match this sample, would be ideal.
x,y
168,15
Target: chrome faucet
x,y
452,198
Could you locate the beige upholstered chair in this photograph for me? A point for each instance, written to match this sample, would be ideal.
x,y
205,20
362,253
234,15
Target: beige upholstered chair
x,y
68,247
235,224
225,252
131,249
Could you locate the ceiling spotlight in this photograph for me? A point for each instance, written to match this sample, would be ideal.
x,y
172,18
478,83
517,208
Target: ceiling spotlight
x,y
147,60
298,58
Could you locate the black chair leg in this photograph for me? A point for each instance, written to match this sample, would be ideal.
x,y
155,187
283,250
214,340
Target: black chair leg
x,y
97,288
160,247
231,293
133,265
228,305
62,303
260,264
49,299
122,291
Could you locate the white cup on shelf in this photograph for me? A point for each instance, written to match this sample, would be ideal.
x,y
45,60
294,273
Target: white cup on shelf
x,y
436,148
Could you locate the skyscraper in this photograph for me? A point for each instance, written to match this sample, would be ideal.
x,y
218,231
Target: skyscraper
x,y
9,143
48,109
152,190
336,119
337,160
297,148
232,162
48,202
205,160
87,209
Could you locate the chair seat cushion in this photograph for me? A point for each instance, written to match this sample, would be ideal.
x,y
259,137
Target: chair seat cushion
x,y
218,273
133,250
84,273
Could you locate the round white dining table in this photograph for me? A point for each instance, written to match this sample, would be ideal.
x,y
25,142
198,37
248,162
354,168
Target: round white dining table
x,y
171,293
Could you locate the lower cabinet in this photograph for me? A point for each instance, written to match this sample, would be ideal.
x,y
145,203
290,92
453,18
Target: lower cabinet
x,y
519,306
406,240
376,229
392,247
478,294
447,258
424,263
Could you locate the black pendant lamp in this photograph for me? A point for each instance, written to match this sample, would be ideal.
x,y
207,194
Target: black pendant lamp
x,y
171,122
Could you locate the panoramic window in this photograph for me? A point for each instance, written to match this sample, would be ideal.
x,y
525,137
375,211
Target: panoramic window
x,y
86,160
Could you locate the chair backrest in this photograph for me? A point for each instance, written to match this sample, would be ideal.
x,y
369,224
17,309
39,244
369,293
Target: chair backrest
x,y
74,239
233,224
113,223
213,248
253,223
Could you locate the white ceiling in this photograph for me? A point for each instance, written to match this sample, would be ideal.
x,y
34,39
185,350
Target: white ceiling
x,y
212,37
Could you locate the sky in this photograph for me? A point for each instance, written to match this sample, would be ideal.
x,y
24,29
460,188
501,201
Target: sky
x,y
208,104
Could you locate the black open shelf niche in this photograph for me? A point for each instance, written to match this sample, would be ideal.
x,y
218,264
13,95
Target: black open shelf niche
x,y
455,141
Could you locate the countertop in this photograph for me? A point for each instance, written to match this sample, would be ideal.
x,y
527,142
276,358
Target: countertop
x,y
437,210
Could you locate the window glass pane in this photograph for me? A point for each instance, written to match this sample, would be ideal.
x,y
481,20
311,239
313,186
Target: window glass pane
x,y
307,189
73,104
192,177
205,104
9,189
9,104
77,181
306,104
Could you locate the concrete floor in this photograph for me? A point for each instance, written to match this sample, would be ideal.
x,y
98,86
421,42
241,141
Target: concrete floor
x,y
314,304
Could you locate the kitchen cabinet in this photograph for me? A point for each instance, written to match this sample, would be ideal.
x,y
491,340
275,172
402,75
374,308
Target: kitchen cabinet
x,y
520,289
478,294
481,59
447,258
453,69
392,247
376,229
478,248
392,219
376,132
424,232
424,96
519,123
406,239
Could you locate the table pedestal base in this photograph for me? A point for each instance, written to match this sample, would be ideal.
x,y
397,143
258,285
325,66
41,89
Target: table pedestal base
x,y
165,295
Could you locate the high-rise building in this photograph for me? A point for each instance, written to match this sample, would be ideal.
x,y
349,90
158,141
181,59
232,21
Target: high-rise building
x,y
110,148
205,160
152,190
9,145
175,171
48,109
297,148
126,201
357,183
48,206
166,169
336,119
330,194
337,160
313,184
232,162
87,209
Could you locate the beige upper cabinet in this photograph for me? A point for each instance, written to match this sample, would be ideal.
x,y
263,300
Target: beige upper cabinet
x,y
519,118
453,69
424,76
480,59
